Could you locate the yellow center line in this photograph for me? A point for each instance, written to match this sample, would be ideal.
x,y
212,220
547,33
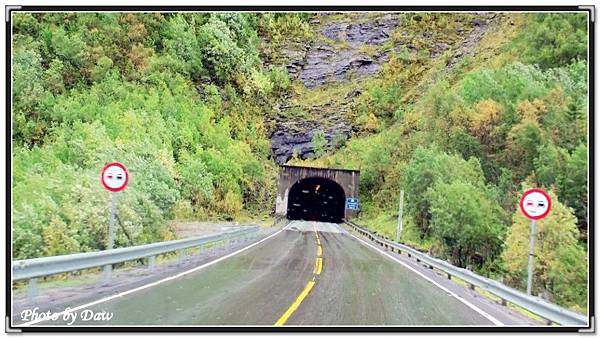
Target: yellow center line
x,y
317,271
295,304
319,266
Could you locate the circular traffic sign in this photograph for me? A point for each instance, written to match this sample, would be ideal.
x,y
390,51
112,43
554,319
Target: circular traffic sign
x,y
535,204
114,176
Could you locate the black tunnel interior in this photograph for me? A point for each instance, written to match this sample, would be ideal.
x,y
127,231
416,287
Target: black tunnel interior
x,y
316,199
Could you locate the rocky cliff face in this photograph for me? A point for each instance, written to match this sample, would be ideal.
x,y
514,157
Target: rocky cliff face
x,y
321,63
345,50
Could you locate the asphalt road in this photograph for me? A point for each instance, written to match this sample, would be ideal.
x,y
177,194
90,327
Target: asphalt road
x,y
281,281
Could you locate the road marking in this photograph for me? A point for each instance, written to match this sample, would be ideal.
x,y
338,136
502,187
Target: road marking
x,y
459,298
295,304
181,274
316,271
319,266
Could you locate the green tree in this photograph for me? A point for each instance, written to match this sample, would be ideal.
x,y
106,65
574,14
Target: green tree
x,y
573,185
553,40
28,89
103,66
319,143
555,167
522,147
196,182
180,42
280,79
222,56
466,222
549,165
428,167
338,139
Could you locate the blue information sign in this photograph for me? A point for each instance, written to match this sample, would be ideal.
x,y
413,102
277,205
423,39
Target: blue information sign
x,y
352,203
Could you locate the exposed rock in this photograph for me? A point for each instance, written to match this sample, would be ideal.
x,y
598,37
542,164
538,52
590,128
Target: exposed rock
x,y
478,22
321,63
284,141
333,31
467,46
323,66
369,32
353,94
438,49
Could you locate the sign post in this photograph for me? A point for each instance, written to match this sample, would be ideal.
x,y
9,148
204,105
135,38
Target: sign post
x,y
535,204
400,207
111,222
532,238
114,177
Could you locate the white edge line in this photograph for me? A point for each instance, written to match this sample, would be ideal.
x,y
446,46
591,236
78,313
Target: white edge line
x,y
459,298
151,284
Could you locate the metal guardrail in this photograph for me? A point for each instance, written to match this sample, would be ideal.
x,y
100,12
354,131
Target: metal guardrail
x,y
536,305
46,266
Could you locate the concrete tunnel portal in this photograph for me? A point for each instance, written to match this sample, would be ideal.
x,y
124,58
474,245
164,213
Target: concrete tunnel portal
x,y
316,199
316,194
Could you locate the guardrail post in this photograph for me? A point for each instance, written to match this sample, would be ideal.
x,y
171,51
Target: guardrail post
x,y
180,257
151,262
106,275
32,290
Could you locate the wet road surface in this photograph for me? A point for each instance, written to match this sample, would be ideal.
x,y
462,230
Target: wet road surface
x,y
281,280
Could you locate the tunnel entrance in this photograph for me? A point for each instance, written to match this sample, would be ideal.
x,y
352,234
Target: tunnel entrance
x,y
316,199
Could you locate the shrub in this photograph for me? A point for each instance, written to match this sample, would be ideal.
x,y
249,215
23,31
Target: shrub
x,y
428,167
319,143
466,222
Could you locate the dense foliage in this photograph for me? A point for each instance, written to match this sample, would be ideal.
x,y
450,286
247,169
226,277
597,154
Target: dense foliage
x,y
178,98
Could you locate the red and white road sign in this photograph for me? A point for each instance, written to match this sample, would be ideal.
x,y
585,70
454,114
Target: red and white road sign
x,y
114,176
535,204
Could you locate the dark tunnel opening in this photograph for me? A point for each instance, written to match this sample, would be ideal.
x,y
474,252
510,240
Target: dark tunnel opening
x,y
316,199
